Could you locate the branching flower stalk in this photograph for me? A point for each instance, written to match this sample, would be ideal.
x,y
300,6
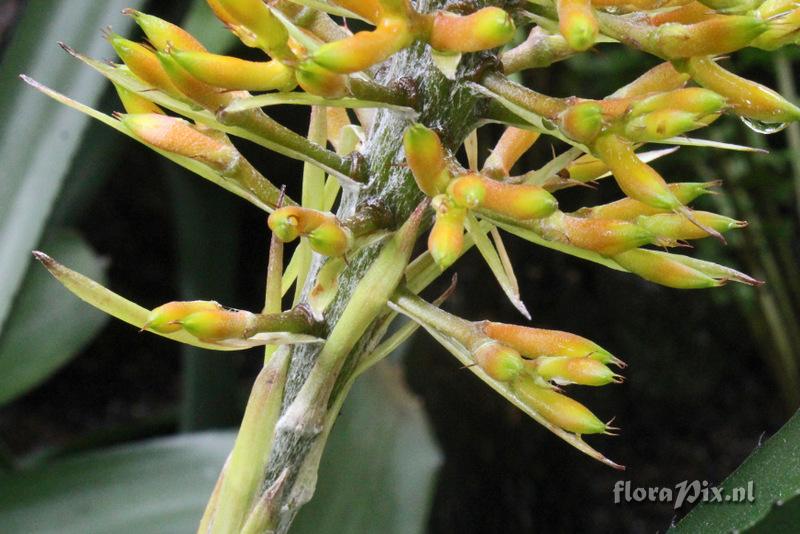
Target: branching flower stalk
x,y
420,82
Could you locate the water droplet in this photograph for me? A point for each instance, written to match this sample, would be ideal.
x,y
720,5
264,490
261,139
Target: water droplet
x,y
762,127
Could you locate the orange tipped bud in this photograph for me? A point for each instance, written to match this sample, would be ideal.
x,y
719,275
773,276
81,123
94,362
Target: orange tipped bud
x,y
586,169
718,35
446,240
577,23
234,73
500,362
330,239
636,178
487,28
135,103
662,269
564,370
163,34
425,156
519,202
219,324
661,124
365,49
255,25
692,99
317,80
512,145
325,233
559,409
166,318
144,63
582,122
468,191
659,79
690,13
604,236
748,99
677,226
536,342
181,137
209,97
627,209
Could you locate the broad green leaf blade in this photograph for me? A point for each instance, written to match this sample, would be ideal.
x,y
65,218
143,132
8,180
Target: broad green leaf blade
x,y
47,328
106,300
40,138
379,465
773,468
158,486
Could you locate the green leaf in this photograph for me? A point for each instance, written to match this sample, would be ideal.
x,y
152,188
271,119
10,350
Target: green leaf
x,y
46,330
39,138
774,470
158,486
378,469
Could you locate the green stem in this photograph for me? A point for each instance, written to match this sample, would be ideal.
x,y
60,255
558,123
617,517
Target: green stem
x,y
539,50
542,105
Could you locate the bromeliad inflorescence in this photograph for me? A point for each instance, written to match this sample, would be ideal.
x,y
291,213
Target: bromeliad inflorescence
x,y
419,83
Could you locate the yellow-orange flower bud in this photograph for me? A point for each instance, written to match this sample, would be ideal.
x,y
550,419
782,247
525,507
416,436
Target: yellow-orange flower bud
x,y
425,156
317,80
233,73
135,103
677,226
498,361
365,49
558,409
166,318
583,121
663,270
144,63
163,34
536,342
577,23
220,324
564,370
325,233
446,240
487,28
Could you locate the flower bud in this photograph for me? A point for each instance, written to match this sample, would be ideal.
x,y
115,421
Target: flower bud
x,y
166,318
446,240
219,324
181,137
558,409
468,191
732,6
143,62
425,156
677,226
661,269
769,8
661,124
718,35
365,49
233,73
317,80
604,236
583,121
536,342
134,103
519,202
564,370
748,99
690,13
512,145
487,28
694,100
330,239
500,362
368,9
205,95
325,233
781,31
659,79
577,23
636,178
586,169
263,29
626,209
163,34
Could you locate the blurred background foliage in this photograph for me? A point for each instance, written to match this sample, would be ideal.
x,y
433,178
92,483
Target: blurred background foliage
x,y
98,423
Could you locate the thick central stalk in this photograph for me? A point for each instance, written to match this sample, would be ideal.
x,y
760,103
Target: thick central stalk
x,y
453,110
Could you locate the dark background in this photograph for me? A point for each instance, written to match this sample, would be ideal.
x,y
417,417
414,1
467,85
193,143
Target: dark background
x,y
699,392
